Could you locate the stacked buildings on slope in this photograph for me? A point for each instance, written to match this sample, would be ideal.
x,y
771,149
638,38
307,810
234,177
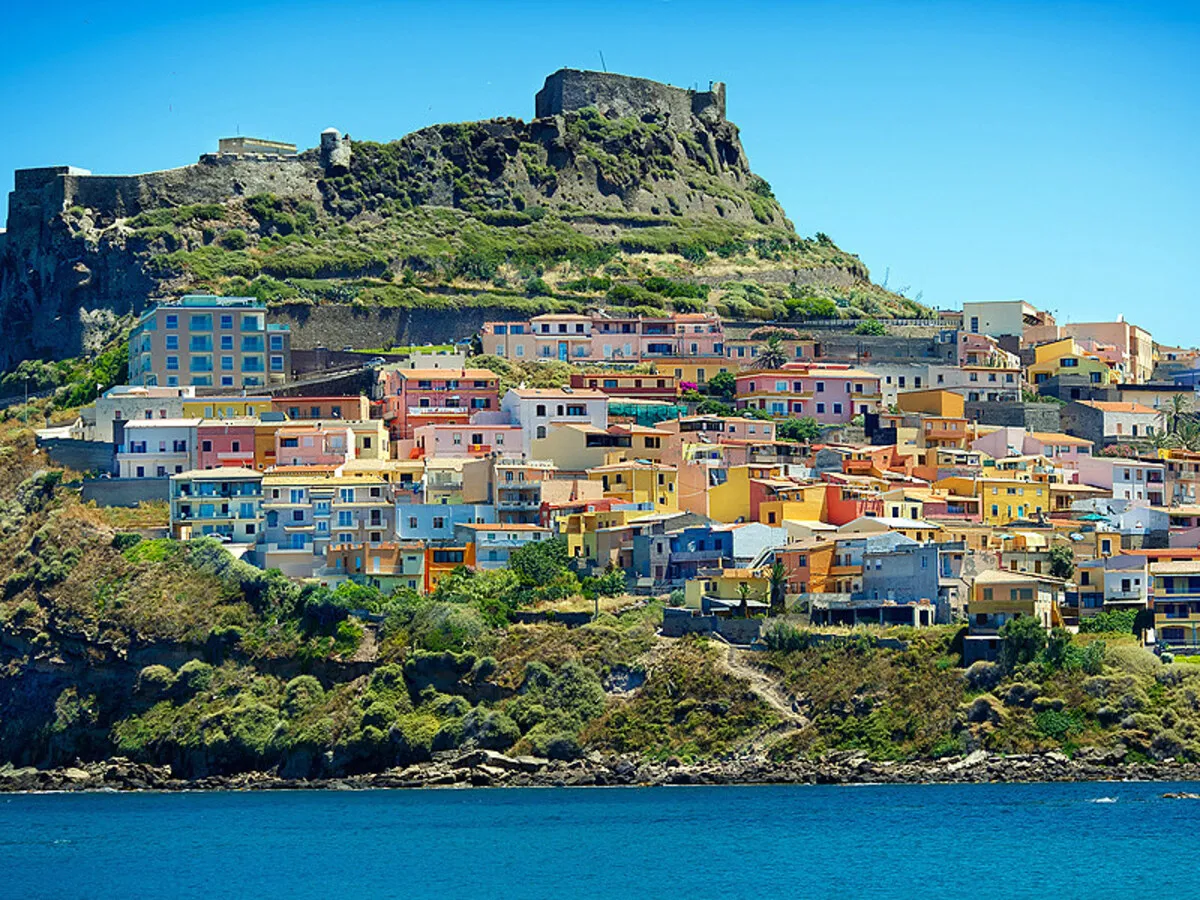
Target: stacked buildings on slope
x,y
1005,466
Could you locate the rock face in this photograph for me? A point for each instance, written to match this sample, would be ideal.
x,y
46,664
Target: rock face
x,y
83,252
485,768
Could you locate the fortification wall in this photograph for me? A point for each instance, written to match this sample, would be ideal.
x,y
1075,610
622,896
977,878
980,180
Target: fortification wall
x,y
212,180
342,325
572,89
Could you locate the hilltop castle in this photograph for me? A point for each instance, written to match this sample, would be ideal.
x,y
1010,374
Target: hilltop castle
x,y
568,90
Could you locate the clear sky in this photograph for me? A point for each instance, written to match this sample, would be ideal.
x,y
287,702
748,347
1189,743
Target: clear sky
x,y
969,151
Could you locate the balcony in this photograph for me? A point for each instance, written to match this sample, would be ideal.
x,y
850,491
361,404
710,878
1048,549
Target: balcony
x,y
697,556
236,456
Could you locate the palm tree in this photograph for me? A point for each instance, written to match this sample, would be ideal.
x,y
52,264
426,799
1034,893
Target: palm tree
x,y
1181,409
1160,440
744,595
772,355
777,588
1187,435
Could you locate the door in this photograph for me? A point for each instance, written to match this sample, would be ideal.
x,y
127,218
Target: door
x,y
562,350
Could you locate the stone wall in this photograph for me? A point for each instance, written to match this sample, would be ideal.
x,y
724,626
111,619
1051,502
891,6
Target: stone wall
x,y
214,179
678,622
343,325
125,491
81,456
1031,416
568,90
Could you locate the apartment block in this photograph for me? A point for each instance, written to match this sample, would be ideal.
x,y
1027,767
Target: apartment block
x,y
209,341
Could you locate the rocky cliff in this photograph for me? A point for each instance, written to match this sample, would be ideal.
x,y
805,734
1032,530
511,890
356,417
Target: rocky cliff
x,y
616,179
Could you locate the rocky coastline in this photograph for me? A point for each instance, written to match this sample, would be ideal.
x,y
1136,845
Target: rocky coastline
x,y
485,768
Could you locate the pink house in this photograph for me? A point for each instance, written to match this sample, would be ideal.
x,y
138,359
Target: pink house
x,y
831,394
470,440
1064,449
417,397
228,442
313,445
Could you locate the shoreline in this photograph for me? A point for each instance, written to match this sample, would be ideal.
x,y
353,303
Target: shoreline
x,y
485,768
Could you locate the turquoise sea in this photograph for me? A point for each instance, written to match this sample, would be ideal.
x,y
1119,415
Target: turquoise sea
x,y
979,841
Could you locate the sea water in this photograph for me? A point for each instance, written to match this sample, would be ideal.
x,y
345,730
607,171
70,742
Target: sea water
x,y
984,842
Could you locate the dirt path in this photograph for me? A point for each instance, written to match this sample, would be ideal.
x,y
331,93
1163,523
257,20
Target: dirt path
x,y
768,691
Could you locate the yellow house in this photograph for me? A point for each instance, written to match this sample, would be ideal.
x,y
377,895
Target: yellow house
x,y
634,481
580,529
1004,500
906,503
693,369
225,407
727,588
1067,357
999,596
577,448
727,493
785,500
932,402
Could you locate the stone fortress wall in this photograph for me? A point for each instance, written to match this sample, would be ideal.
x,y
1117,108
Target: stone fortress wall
x,y
568,90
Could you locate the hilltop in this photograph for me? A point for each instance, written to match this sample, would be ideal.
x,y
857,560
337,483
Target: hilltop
x,y
614,181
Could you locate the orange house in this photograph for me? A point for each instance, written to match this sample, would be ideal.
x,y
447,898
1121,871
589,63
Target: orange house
x,y
441,561
808,565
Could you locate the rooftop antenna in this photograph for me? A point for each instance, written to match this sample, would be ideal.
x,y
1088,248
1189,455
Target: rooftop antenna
x,y
602,65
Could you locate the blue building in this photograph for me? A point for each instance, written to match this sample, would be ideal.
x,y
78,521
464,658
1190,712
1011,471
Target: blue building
x,y
437,521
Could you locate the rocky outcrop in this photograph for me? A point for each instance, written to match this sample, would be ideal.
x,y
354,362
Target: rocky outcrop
x,y
487,768
83,253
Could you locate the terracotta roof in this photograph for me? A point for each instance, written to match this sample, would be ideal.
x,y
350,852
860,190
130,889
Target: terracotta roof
x,y
1115,407
435,374
559,393
1056,437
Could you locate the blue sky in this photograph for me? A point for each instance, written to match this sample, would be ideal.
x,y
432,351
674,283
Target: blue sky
x,y
968,151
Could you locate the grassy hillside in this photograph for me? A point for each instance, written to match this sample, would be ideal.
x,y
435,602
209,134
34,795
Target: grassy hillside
x,y
535,216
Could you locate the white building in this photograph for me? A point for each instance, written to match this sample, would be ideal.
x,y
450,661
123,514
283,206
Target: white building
x,y
157,448
1128,479
537,410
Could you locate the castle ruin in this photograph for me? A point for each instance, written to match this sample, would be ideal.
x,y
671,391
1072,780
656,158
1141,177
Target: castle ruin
x,y
569,90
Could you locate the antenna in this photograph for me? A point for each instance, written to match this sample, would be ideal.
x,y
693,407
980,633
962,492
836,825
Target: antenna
x,y
602,65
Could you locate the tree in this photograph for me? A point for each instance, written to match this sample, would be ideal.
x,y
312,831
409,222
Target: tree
x,y
1021,640
722,386
714,408
1062,561
1180,409
805,430
539,562
777,588
744,590
772,355
870,326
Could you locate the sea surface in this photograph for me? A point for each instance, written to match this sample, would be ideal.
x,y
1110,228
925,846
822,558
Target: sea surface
x,y
1058,841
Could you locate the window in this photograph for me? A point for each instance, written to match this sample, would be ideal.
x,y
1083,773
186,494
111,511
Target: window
x,y
345,519
226,321
277,342
540,410
172,320
226,363
200,322
227,342
276,363
172,363
439,522
820,387
172,341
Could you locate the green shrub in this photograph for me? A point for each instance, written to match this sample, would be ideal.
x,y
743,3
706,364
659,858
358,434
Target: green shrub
x,y
193,676
234,239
